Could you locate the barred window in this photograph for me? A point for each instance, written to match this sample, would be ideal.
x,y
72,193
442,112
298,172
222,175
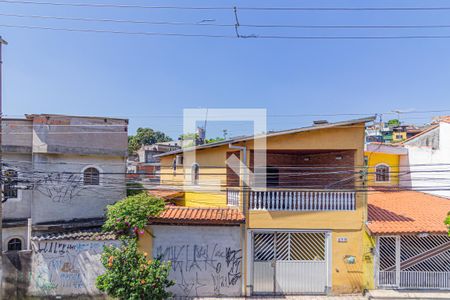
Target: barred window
x,y
91,176
10,185
382,173
14,244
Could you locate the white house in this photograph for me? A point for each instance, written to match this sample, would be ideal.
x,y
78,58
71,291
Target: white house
x,y
426,166
61,172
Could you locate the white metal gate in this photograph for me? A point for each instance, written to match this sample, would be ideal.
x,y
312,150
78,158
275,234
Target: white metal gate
x,y
414,262
286,262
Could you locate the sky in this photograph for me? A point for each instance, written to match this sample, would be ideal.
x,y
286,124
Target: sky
x,y
151,79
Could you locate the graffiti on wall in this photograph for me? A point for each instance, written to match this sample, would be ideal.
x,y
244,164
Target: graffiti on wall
x,y
66,267
60,187
203,269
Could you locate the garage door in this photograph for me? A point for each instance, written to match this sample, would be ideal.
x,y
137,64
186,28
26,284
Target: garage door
x,y
287,262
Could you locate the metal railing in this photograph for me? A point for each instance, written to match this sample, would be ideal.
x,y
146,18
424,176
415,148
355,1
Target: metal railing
x,y
233,197
302,200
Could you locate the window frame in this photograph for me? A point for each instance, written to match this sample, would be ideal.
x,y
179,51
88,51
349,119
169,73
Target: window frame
x,y
388,174
20,239
14,181
100,171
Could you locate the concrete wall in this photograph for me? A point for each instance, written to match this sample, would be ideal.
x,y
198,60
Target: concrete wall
x,y
53,268
50,153
19,232
206,260
66,267
61,197
83,135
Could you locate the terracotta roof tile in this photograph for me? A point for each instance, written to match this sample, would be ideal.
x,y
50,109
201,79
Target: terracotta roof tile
x,y
88,235
199,216
406,212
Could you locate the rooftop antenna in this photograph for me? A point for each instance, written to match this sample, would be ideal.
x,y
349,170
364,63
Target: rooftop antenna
x,y
206,121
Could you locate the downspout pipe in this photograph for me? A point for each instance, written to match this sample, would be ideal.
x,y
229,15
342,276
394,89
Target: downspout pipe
x,y
245,253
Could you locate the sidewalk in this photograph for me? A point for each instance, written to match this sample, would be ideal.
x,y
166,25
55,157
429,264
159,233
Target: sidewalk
x,y
408,294
344,297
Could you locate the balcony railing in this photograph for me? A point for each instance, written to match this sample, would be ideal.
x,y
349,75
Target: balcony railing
x,y
301,200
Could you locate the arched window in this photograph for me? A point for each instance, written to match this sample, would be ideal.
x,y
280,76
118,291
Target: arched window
x,y
382,173
195,173
91,176
10,185
14,244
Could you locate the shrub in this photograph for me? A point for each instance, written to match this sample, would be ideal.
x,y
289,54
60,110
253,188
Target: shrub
x,y
129,275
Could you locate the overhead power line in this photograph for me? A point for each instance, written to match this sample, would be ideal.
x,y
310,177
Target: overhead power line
x,y
212,24
175,7
253,36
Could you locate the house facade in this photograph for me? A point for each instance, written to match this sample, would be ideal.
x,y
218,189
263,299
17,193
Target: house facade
x,y
407,208
60,173
304,227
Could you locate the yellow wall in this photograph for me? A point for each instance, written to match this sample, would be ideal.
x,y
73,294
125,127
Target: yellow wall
x,y
369,264
391,160
145,242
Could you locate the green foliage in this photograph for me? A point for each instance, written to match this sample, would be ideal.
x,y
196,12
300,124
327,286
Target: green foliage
x,y
146,136
129,216
214,140
393,123
129,275
134,188
447,222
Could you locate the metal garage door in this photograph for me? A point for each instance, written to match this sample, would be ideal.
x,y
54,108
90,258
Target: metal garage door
x,y
414,262
290,262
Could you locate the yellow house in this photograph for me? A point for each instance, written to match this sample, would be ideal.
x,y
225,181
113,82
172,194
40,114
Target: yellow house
x,y
303,205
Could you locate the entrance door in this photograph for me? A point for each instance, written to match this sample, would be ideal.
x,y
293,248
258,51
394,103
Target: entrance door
x,y
286,262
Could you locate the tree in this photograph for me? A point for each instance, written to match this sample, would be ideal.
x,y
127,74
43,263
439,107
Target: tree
x,y
146,136
129,274
393,123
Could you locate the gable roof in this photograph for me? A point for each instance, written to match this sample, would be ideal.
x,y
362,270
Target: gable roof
x,y
271,134
419,134
406,212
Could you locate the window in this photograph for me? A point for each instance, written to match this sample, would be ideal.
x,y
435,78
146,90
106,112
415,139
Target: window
x,y
195,173
14,244
273,177
179,159
382,173
10,185
91,176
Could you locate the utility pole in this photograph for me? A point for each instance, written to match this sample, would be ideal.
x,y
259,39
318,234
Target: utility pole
x,y
2,42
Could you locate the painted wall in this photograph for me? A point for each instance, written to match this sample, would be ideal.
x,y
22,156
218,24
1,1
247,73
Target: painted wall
x,y
379,158
369,261
53,201
206,260
15,232
423,156
66,267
